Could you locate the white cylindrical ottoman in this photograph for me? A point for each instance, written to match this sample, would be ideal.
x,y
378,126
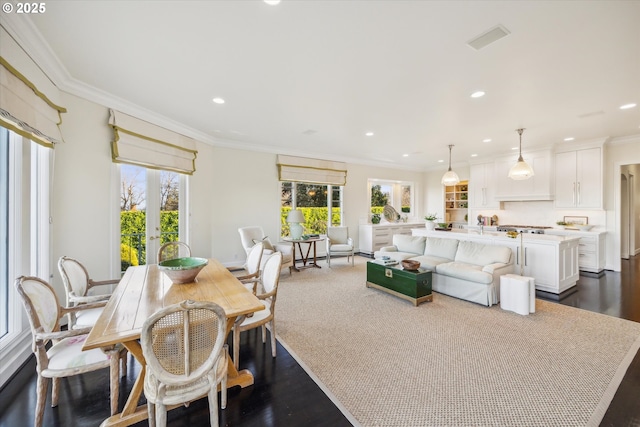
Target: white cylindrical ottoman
x,y
518,294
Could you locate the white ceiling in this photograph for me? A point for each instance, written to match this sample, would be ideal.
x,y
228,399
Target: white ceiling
x,y
311,77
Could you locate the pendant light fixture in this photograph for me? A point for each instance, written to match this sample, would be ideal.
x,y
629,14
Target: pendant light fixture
x,y
521,170
450,177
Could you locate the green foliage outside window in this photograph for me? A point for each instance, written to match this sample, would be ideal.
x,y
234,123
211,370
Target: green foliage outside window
x,y
378,199
133,233
315,220
128,257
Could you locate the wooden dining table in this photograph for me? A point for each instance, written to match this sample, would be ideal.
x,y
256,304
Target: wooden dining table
x,y
142,291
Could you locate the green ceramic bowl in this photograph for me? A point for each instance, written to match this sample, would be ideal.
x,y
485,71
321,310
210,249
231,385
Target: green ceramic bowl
x,y
183,270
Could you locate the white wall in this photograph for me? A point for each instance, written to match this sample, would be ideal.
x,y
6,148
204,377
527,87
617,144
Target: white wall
x,y
82,198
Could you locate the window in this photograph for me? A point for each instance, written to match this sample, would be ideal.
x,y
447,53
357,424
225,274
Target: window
x,y
397,194
320,204
24,217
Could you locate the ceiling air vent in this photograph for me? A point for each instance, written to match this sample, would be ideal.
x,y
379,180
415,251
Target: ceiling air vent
x,y
488,37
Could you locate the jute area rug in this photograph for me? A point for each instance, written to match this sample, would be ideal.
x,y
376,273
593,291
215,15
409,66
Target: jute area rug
x,y
449,362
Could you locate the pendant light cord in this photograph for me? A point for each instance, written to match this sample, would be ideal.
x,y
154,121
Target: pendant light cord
x,y
520,159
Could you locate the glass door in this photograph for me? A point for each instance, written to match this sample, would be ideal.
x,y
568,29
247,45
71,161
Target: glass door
x,y
151,203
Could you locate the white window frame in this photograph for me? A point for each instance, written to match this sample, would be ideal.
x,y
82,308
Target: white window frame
x,y
396,194
294,191
29,240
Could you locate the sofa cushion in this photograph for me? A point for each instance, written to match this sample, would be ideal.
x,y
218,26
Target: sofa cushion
x,y
395,255
413,244
340,247
465,271
479,254
430,262
445,248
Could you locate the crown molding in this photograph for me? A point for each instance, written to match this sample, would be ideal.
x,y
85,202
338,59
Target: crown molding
x,y
628,139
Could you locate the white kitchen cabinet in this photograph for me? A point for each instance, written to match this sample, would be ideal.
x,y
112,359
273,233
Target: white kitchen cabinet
x,y
538,187
579,179
591,249
482,186
553,265
374,236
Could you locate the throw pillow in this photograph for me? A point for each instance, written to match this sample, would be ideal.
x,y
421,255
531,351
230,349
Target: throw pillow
x,y
266,243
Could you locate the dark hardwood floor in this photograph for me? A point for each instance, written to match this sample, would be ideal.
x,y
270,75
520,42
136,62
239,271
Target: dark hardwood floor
x,y
283,394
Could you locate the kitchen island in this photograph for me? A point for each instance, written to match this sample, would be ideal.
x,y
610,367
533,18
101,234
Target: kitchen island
x,y
551,260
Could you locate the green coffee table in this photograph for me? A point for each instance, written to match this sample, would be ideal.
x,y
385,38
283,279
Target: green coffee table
x,y
412,285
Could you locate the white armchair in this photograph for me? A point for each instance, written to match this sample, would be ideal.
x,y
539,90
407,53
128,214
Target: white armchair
x,y
339,243
249,236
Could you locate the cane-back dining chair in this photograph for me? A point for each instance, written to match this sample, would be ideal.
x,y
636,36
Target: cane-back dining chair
x,y
186,356
173,250
65,356
265,317
79,289
249,273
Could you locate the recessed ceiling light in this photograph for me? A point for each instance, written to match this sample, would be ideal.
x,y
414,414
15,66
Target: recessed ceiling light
x,y
474,155
369,134
405,155
514,148
570,138
477,94
440,161
272,2
627,106
218,100
486,140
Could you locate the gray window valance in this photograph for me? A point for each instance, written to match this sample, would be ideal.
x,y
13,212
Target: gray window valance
x,y
141,143
27,111
316,171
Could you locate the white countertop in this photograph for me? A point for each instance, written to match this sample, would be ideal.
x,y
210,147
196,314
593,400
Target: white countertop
x,y
493,235
572,232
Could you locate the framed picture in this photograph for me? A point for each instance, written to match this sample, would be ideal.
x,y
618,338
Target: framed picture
x,y
578,220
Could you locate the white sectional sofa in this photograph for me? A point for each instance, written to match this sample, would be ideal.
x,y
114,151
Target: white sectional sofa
x,y
461,269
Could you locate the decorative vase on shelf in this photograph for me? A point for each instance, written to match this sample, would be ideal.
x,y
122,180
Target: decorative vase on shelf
x,y
430,225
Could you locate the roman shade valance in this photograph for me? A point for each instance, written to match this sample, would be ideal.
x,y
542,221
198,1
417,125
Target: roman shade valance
x,y
26,110
302,169
141,143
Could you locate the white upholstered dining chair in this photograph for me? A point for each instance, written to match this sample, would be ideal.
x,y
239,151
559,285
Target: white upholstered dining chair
x,y
249,273
339,244
249,236
65,356
264,318
184,346
80,289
